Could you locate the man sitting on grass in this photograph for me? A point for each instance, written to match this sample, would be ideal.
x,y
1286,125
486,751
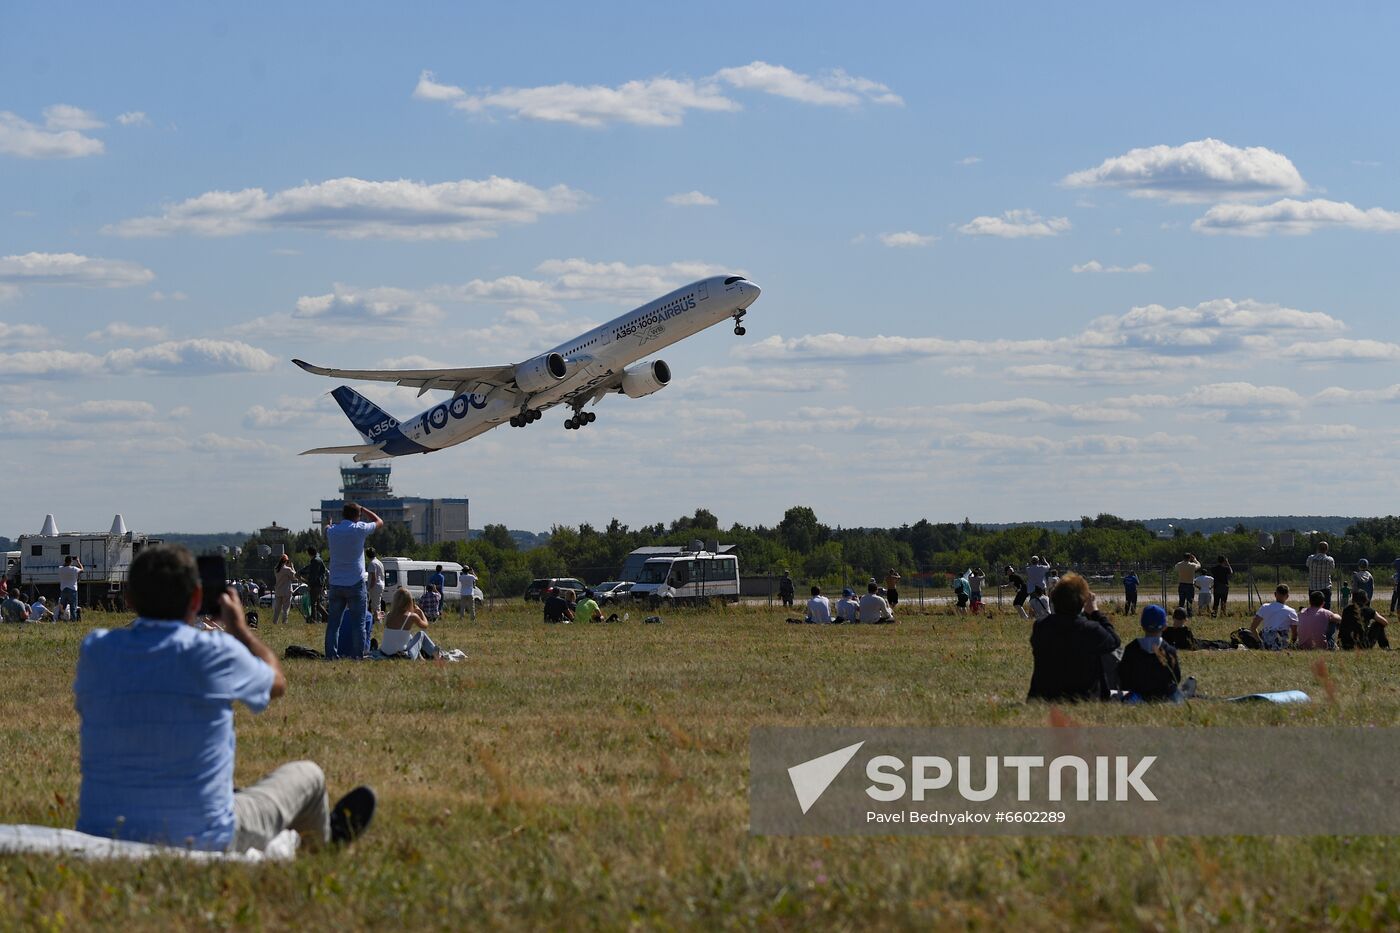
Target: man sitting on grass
x,y
157,742
1073,647
1278,620
873,608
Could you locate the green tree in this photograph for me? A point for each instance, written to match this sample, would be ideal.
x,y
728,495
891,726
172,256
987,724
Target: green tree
x,y
498,536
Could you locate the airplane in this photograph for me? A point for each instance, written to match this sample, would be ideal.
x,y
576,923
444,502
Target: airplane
x,y
576,373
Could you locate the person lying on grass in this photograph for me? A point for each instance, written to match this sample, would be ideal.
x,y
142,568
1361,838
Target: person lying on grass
x,y
156,737
1074,647
405,629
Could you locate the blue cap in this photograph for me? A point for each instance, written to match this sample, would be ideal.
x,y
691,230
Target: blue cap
x,y
1154,618
848,592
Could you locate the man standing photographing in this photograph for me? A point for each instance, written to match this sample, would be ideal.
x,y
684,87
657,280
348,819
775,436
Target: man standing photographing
x,y
157,739
345,625
68,587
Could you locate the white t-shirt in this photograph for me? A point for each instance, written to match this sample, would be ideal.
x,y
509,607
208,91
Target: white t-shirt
x,y
1205,582
873,608
819,609
468,584
1035,575
68,577
36,612
1277,616
848,608
376,573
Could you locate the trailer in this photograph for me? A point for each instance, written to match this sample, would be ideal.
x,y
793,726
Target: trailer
x,y
106,558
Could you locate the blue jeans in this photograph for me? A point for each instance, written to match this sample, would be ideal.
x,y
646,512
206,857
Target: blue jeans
x,y
69,598
345,629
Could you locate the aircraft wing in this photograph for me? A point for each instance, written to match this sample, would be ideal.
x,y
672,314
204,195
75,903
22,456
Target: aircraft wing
x,y
453,380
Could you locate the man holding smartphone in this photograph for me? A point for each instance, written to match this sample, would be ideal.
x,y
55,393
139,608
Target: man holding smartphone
x,y
157,741
345,625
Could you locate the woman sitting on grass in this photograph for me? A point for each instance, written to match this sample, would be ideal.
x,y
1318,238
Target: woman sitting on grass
x,y
405,630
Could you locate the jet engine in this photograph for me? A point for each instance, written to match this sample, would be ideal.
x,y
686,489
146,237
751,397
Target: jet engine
x,y
643,380
540,373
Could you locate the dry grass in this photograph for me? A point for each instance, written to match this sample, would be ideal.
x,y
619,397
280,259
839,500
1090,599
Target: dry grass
x,y
595,776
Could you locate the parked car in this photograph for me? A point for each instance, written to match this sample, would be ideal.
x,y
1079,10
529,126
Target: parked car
x,y
611,592
267,599
535,591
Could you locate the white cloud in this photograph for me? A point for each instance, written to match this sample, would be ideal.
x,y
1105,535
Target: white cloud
x,y
108,410
118,330
429,89
1221,324
1203,170
23,335
907,238
1336,395
68,117
1341,350
224,446
19,137
134,118
969,160
354,208
834,88
661,101
1041,410
653,102
71,269
394,307
1093,265
169,296
293,413
1295,217
580,278
189,357
691,199
728,380
1015,224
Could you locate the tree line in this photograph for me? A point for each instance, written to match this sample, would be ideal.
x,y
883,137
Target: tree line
x,y
925,553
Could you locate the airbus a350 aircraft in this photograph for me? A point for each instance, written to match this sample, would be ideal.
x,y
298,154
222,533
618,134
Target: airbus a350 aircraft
x,y
575,373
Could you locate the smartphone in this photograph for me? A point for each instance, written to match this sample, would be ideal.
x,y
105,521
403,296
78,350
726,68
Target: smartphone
x,y
213,576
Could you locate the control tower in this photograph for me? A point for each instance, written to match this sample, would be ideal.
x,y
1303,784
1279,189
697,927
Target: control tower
x,y
430,520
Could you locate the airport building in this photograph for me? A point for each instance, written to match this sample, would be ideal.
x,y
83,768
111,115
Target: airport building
x,y
430,520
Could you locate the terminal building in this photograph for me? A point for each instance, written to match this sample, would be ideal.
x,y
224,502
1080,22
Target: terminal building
x,y
430,520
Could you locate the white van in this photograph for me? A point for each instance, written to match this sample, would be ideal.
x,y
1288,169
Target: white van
x,y
413,576
689,578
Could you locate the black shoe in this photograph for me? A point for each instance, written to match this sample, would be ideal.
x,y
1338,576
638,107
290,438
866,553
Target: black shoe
x,y
352,814
374,644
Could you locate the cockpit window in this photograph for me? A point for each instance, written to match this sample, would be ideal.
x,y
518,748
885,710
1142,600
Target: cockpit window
x,y
734,278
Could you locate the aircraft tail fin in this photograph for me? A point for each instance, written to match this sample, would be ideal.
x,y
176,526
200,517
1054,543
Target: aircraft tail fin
x,y
368,418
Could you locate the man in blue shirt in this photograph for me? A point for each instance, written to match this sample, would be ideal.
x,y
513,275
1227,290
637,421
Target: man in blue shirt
x,y
157,742
346,540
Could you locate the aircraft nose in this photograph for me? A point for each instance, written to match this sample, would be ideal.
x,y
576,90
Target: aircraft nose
x,y
753,292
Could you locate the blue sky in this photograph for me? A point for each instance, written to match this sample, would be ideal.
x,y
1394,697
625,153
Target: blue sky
x,y
1019,262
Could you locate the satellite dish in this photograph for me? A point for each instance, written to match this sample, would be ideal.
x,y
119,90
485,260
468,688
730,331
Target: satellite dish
x,y
1266,540
264,551
223,549
697,545
237,551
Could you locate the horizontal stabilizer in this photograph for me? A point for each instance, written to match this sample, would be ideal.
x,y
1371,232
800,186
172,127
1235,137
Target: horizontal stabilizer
x,y
362,452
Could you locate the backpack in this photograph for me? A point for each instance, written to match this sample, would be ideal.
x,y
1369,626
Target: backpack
x,y
1244,637
301,651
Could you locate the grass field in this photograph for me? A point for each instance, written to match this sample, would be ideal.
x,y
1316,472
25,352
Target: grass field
x,y
592,776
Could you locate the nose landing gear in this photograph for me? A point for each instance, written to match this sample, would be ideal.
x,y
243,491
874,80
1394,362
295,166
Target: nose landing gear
x,y
739,329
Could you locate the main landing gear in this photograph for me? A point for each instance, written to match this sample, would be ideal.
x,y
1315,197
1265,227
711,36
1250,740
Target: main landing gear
x,y
579,420
528,416
739,329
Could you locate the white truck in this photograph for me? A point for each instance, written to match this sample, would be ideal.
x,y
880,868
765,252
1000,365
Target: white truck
x,y
691,578
106,558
